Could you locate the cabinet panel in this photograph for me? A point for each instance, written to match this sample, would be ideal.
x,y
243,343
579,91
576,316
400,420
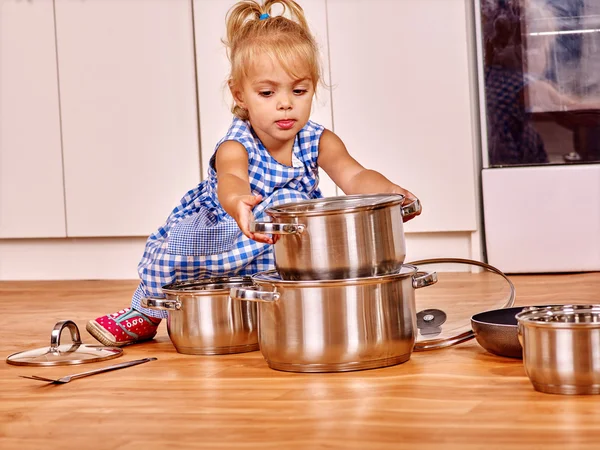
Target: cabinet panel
x,y
129,117
401,100
213,69
31,174
552,222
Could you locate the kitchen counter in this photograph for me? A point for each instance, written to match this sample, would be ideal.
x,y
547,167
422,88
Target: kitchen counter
x,y
456,398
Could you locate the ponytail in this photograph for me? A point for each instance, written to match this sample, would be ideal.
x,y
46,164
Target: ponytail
x,y
247,10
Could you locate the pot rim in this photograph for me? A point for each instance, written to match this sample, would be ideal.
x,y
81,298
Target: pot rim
x,y
271,277
326,206
534,316
207,286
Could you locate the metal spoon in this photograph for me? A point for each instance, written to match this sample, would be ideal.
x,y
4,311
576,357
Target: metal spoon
x,y
68,378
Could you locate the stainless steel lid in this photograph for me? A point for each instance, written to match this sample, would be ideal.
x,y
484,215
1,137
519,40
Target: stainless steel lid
x,y
207,286
561,316
335,205
67,354
273,277
465,287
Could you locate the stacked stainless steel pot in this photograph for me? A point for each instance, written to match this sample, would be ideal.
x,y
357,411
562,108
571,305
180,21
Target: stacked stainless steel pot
x,y
341,298
203,320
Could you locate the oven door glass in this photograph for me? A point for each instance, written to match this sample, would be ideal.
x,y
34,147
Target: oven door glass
x,y
541,81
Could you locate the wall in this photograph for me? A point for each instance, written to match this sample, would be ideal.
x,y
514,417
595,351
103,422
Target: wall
x,y
439,152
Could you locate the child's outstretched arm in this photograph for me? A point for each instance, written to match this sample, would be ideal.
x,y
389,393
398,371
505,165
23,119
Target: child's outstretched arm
x,y
233,187
348,174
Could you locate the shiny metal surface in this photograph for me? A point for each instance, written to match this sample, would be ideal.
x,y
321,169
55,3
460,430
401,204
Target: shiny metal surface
x,y
68,378
339,237
336,205
59,354
561,348
203,320
331,326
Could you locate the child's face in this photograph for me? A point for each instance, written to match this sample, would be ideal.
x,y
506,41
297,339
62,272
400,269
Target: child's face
x,y
278,104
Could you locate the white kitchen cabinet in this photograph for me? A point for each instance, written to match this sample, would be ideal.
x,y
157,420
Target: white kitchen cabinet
x,y
31,174
401,100
128,109
214,98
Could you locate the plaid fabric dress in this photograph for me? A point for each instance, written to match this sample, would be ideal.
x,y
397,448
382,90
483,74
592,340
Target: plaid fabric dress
x,y
200,240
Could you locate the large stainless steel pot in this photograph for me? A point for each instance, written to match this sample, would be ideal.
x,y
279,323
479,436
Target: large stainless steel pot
x,y
339,237
203,320
336,325
561,348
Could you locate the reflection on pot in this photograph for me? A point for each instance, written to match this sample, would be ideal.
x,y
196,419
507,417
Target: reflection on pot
x,y
339,237
203,320
561,348
336,325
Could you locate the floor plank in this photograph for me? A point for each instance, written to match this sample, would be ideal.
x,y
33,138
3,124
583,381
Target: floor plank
x,y
456,398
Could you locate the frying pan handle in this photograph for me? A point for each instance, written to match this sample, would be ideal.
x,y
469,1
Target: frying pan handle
x,y
424,279
253,295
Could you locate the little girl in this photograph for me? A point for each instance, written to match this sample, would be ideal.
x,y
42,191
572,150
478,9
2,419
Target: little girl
x,y
270,155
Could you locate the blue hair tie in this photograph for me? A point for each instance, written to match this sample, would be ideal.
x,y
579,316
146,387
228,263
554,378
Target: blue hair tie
x,y
264,16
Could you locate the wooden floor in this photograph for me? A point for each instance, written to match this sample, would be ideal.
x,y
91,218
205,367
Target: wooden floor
x,y
456,398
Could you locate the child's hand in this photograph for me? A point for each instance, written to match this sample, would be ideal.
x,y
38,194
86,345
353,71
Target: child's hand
x,y
243,216
409,198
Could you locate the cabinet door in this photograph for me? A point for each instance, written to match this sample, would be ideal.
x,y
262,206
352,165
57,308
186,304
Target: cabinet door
x,y
401,100
214,98
31,174
128,96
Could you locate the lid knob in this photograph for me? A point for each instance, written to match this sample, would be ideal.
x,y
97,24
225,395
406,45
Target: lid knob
x,y
429,321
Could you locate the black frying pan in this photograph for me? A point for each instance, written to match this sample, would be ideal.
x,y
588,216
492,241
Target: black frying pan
x,y
496,331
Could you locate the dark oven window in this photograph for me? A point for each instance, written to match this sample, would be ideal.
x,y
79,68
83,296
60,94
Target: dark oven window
x,y
541,81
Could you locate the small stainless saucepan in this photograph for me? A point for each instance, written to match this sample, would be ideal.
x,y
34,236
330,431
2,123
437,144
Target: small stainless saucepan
x,y
336,325
203,320
561,348
338,238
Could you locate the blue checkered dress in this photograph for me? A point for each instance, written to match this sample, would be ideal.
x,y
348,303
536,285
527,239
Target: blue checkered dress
x,y
200,240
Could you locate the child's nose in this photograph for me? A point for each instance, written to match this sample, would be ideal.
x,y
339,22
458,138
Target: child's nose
x,y
284,103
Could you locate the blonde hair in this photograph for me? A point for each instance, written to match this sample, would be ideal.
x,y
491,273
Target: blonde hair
x,y
252,31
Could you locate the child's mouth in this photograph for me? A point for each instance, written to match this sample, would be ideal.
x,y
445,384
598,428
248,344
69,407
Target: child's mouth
x,y
285,124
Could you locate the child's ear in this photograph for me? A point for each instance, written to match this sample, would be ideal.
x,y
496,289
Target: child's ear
x,y
237,95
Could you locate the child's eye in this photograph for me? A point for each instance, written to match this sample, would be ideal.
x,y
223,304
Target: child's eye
x,y
265,93
300,91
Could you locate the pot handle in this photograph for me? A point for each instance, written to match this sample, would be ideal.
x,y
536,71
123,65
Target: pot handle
x,y
424,279
412,209
161,303
253,295
277,228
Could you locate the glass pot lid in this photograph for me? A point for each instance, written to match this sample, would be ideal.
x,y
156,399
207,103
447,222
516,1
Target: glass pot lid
x,y
273,277
335,205
465,287
64,354
208,286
